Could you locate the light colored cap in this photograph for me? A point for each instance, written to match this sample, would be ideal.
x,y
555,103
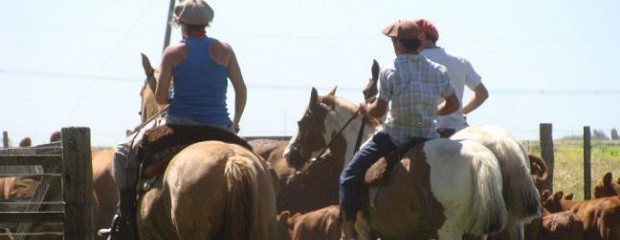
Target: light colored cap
x,y
193,12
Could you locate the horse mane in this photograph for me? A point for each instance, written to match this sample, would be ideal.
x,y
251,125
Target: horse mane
x,y
333,101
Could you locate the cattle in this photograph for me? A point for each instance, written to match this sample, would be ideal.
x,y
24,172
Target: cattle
x,y
600,218
323,223
560,226
606,187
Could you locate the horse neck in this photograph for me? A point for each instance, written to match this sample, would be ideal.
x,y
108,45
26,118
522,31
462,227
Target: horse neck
x,y
349,134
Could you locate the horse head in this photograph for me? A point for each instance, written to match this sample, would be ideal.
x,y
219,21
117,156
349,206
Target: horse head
x,y
308,140
149,106
370,91
329,122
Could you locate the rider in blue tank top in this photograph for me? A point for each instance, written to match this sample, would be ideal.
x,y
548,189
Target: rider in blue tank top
x,y
200,85
201,67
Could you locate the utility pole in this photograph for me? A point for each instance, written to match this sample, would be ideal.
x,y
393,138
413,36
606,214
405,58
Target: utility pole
x,y
168,27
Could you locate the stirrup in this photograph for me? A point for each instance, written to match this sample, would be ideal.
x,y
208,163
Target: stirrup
x,y
119,229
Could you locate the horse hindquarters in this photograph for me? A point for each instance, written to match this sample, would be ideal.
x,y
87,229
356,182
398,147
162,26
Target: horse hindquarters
x,y
521,195
213,190
464,182
251,200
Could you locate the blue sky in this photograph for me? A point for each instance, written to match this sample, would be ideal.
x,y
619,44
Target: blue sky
x,y
77,63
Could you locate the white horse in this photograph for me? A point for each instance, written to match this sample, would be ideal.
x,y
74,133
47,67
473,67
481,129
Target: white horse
x,y
519,191
463,177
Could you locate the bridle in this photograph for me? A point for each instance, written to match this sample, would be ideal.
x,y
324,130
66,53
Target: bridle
x,y
310,162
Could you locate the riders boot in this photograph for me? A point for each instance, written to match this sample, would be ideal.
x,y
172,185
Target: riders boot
x,y
124,223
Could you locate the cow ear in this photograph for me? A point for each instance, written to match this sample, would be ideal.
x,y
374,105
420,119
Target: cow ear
x,y
283,216
568,196
607,178
545,194
558,195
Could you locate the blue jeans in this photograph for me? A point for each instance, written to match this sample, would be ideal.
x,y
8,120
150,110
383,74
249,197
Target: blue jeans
x,y
351,178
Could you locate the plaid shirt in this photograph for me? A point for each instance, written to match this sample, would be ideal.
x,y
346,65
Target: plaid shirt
x,y
413,86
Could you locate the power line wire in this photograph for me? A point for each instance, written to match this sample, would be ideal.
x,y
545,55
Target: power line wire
x,y
283,87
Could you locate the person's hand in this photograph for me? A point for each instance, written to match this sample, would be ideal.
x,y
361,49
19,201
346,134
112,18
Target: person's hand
x,y
235,128
362,108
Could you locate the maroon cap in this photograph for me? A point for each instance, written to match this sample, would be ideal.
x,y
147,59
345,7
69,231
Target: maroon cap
x,y
427,27
402,29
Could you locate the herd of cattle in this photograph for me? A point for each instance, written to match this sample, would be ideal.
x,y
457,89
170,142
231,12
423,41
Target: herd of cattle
x,y
307,201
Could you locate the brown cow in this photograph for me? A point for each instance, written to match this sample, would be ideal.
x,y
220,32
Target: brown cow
x,y
600,216
319,224
606,187
560,226
556,202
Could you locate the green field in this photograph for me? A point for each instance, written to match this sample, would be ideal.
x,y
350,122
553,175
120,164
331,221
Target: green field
x,y
568,163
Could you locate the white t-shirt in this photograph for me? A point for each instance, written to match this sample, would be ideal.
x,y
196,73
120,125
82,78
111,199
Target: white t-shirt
x,y
461,74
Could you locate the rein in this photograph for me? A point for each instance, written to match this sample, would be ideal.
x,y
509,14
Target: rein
x,y
357,144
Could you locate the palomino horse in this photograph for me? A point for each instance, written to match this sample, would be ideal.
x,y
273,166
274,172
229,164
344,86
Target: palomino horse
x,y
462,179
210,190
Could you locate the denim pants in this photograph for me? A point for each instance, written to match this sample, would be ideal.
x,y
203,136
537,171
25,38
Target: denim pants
x,y
352,176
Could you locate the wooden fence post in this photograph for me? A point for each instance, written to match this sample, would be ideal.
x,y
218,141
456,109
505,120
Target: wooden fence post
x,y
77,180
5,139
587,173
546,150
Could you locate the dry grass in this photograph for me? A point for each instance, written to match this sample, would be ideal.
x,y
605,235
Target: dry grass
x,y
569,166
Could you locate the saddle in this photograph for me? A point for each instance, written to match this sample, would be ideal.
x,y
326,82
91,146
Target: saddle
x,y
380,171
161,143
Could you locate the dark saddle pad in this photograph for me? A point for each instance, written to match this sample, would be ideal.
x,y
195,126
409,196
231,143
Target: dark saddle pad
x,y
380,171
161,143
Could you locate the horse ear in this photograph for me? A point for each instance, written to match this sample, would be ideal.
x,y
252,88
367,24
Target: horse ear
x,y
314,95
146,64
374,70
333,91
314,99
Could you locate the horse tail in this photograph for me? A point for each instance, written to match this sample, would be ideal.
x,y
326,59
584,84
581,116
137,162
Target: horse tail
x,y
250,208
239,176
522,197
488,212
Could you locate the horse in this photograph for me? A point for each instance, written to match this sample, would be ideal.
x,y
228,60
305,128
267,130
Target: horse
x,y
105,193
209,190
519,191
461,179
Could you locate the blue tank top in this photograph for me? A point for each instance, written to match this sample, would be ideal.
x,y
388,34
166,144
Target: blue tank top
x,y
200,86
